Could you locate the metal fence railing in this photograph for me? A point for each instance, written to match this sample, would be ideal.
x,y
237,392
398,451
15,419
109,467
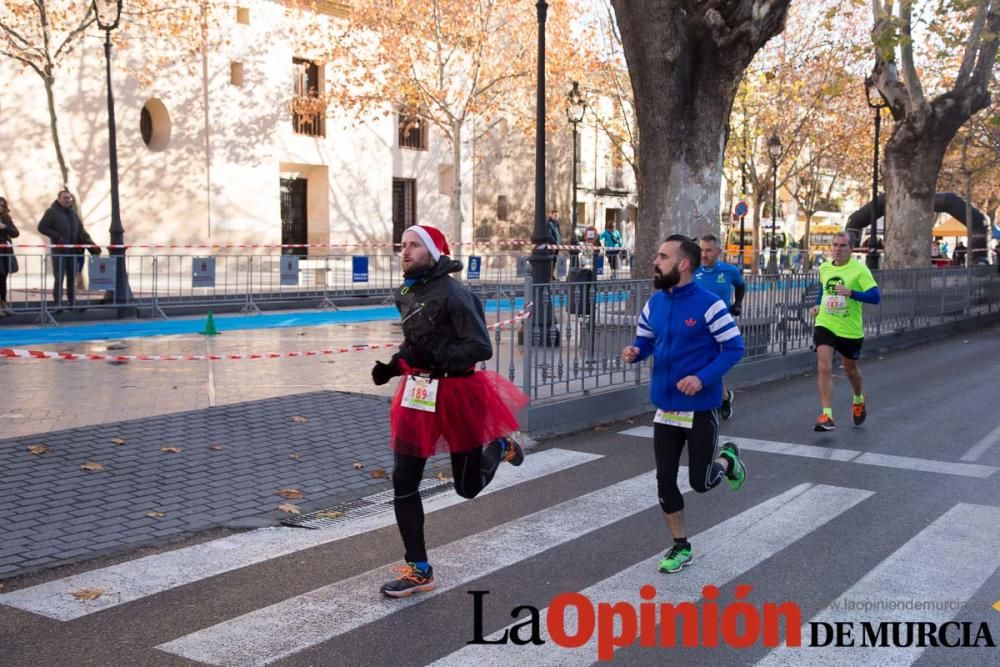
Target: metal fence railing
x,y
573,343
162,281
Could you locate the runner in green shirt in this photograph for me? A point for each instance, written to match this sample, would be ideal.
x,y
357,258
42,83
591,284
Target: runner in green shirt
x,y
845,284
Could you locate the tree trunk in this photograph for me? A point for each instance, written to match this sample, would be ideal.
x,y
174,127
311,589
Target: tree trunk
x,y
757,247
685,61
804,250
49,81
913,158
455,204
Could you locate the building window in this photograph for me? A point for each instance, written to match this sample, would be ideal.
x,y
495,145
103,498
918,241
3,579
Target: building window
x,y
243,15
154,125
503,208
308,104
616,176
404,207
236,73
412,132
446,179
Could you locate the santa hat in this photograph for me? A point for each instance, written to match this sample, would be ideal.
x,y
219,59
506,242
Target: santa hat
x,y
432,237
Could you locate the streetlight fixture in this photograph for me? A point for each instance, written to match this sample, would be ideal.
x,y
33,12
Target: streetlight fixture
x,y
544,330
109,13
774,150
871,91
576,106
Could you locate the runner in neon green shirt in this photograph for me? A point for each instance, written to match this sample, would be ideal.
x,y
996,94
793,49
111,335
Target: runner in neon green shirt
x,y
845,284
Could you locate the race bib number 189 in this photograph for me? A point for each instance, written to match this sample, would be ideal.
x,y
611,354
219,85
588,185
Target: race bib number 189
x,y
420,393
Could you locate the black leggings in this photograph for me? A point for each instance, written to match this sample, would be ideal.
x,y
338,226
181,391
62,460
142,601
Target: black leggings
x,y
704,472
472,471
3,284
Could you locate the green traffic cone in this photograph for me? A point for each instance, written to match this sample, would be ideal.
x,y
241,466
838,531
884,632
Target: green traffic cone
x,y
210,329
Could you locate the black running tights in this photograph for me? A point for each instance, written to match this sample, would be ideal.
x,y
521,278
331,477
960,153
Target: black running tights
x,y
703,472
472,471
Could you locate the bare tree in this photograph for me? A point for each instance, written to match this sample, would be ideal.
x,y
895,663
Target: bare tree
x,y
686,59
925,127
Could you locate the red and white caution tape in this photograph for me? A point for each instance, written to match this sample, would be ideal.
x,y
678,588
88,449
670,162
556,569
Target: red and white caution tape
x,y
232,246
15,353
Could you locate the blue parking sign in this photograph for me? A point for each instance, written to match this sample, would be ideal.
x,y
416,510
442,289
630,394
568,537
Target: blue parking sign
x,y
360,269
475,266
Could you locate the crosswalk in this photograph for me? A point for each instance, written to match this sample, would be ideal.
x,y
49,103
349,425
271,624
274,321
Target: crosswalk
x,y
333,616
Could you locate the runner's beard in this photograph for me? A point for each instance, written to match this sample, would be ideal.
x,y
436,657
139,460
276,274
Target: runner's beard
x,y
666,280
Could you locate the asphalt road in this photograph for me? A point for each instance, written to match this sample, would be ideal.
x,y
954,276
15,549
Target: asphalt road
x,y
903,511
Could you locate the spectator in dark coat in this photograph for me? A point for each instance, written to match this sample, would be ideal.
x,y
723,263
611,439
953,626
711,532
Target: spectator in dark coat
x,y
63,226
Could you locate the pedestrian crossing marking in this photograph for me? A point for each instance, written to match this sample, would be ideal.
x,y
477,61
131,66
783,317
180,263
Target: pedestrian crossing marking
x,y
139,578
845,455
722,553
944,564
285,628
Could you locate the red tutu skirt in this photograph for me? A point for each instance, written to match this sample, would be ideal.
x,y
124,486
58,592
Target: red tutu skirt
x,y
470,412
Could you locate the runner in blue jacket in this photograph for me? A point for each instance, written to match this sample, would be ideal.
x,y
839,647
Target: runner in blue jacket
x,y
694,341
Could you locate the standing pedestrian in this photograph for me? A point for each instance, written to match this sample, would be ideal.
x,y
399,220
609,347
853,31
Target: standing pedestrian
x,y
554,237
694,341
845,284
611,239
8,262
443,404
63,226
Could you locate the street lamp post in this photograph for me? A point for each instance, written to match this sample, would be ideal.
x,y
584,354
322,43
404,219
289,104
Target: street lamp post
x,y
576,106
774,150
108,14
544,330
872,258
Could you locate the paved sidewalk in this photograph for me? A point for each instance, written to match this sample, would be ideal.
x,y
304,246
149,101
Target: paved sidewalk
x,y
52,512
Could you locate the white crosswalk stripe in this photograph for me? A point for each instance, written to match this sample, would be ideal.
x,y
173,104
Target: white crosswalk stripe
x,y
136,579
949,560
845,455
285,628
939,568
722,553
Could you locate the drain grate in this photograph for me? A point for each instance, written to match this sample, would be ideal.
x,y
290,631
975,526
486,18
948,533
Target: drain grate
x,y
362,507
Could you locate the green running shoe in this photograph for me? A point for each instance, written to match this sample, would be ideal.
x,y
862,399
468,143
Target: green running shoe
x,y
737,469
675,559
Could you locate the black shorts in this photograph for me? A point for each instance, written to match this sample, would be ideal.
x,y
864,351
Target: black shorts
x,y
849,348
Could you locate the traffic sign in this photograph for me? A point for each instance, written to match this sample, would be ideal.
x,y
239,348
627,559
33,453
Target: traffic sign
x,y
742,208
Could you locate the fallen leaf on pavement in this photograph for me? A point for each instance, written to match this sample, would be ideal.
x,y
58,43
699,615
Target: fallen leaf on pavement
x,y
172,450
91,466
117,441
289,508
89,593
443,477
358,466
293,494
155,515
1,585
329,514
38,449
378,473
215,448
294,456
299,418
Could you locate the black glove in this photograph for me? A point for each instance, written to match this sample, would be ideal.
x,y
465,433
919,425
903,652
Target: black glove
x,y
735,310
95,250
382,373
